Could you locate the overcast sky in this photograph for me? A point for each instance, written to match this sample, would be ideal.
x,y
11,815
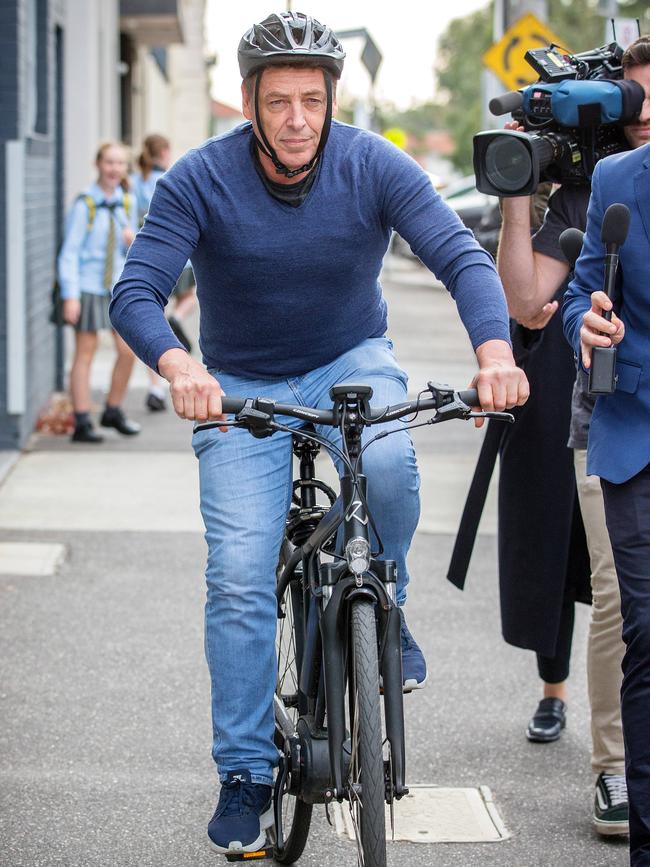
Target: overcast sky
x,y
406,33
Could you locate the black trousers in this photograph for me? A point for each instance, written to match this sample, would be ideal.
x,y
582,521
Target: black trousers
x,y
627,509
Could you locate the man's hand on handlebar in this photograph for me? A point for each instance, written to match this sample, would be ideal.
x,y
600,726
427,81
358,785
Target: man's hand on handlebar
x,y
196,395
499,382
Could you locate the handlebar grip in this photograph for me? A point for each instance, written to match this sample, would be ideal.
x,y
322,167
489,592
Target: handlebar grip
x,y
469,396
232,404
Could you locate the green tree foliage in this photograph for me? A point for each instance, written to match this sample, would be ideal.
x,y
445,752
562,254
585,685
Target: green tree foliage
x,y
460,50
463,44
417,121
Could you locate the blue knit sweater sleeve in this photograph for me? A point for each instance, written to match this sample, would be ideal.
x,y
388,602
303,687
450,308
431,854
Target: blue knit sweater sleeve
x,y
438,237
156,259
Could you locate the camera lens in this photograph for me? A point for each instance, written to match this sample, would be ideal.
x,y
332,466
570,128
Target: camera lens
x,y
508,164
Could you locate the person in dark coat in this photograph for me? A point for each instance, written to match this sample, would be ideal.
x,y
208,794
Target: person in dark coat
x,y
543,557
544,566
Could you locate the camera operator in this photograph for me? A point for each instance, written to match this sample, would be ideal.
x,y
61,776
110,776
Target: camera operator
x,y
533,272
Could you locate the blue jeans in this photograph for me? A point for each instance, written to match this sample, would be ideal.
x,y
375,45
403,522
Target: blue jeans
x,y
245,495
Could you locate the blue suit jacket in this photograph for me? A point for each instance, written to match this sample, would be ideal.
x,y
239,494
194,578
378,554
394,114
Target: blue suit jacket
x,y
619,436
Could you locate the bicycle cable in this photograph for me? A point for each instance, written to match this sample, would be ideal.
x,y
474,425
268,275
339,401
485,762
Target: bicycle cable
x,y
385,433
379,436
331,447
357,490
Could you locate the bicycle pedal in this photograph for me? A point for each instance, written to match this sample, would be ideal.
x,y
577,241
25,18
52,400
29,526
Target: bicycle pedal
x,y
260,855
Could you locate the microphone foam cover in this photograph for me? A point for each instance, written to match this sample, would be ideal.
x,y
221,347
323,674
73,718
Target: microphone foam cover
x,y
506,103
616,223
571,244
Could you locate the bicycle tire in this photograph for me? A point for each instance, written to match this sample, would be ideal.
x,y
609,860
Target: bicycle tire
x,y
297,831
367,738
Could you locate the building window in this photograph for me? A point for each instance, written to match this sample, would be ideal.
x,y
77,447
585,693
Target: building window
x,y
37,78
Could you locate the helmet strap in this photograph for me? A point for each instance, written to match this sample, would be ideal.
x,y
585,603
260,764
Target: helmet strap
x,y
265,145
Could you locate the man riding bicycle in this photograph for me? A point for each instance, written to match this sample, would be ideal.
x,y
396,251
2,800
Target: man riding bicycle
x,y
286,220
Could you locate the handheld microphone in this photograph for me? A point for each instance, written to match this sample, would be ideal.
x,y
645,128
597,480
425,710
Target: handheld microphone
x,y
571,245
616,223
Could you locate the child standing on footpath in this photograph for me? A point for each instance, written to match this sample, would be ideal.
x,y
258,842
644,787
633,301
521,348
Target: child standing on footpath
x,y
153,162
100,228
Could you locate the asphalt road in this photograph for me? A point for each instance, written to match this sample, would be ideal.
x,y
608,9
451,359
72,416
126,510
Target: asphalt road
x,y
104,710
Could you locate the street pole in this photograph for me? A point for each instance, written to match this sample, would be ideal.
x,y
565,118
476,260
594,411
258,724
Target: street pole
x,y
515,9
490,84
506,13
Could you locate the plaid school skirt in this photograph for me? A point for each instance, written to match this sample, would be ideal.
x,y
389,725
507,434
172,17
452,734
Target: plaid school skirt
x,y
94,312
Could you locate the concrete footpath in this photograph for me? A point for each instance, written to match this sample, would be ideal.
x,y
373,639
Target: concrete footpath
x,y
104,705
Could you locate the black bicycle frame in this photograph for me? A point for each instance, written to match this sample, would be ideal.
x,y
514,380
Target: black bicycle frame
x,y
328,591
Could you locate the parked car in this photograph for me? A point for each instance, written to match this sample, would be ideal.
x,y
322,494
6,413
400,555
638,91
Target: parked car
x,y
479,212
465,199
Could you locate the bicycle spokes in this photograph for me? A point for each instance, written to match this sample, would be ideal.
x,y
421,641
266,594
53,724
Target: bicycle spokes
x,y
354,785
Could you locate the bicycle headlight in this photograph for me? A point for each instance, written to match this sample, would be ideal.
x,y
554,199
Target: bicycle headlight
x,y
357,553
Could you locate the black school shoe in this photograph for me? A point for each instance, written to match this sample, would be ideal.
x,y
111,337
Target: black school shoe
x,y
155,403
114,417
86,433
548,721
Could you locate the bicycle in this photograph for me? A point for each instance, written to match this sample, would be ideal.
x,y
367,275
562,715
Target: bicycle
x,y
338,635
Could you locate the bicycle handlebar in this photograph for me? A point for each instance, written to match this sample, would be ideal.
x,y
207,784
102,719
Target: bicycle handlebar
x,y
233,405
449,403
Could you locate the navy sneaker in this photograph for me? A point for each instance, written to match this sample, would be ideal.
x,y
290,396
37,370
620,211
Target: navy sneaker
x,y
244,812
414,667
611,811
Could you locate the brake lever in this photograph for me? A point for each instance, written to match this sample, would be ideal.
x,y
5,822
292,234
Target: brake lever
x,y
454,409
499,416
457,409
259,423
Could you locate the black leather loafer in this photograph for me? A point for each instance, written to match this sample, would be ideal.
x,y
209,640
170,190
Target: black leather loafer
x,y
548,721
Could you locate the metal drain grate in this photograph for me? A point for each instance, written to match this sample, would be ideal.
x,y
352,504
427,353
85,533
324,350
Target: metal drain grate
x,y
431,814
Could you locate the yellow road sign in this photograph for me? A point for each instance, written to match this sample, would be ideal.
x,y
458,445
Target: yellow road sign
x,y
506,57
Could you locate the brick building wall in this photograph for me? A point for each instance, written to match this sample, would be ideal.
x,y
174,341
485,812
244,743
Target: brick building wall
x,y
60,96
34,148
27,202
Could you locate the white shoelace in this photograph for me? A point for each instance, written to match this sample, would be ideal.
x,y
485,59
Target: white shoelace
x,y
616,788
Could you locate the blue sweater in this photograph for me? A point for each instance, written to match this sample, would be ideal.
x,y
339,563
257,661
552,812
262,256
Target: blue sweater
x,y
284,290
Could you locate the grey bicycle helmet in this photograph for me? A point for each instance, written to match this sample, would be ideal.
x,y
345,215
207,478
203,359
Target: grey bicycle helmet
x,y
290,37
280,40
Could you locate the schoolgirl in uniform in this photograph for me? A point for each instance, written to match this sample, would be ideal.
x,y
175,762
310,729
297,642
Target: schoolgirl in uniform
x,y
100,227
153,162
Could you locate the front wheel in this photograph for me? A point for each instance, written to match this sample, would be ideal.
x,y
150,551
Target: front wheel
x,y
366,784
296,814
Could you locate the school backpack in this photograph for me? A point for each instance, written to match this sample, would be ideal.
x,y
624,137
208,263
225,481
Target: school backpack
x,y
56,312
